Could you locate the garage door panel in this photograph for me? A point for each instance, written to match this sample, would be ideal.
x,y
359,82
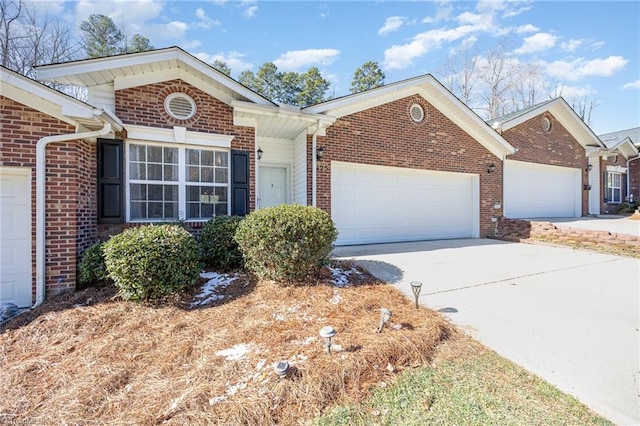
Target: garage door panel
x,y
385,204
535,190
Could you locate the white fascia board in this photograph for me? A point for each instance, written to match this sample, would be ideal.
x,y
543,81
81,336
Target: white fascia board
x,y
178,136
275,111
509,124
626,148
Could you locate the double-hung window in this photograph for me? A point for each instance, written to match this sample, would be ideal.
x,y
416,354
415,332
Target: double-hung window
x,y
170,182
614,187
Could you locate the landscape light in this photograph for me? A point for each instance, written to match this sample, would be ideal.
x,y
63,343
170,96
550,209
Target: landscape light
x,y
385,314
281,368
416,286
327,332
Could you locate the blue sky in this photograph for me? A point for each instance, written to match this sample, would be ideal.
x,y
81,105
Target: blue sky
x,y
588,49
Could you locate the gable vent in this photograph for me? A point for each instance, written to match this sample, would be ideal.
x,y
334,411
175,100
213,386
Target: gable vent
x,y
180,106
417,113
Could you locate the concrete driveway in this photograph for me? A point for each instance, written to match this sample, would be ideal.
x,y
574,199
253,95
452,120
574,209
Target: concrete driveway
x,y
614,224
569,316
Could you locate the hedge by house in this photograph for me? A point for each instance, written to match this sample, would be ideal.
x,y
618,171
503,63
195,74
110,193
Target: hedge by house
x,y
217,244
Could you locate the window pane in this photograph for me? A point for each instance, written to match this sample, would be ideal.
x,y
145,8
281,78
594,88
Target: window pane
x,y
154,154
193,156
171,210
154,171
207,174
138,192
221,175
171,193
207,158
138,210
155,192
171,173
171,155
616,180
194,211
221,209
221,192
136,171
156,210
137,153
222,159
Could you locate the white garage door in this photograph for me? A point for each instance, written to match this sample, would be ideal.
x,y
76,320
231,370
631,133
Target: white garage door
x,y
536,191
15,236
374,204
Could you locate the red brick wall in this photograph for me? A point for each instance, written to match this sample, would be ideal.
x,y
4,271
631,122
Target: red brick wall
x,y
556,147
144,106
70,197
634,178
385,135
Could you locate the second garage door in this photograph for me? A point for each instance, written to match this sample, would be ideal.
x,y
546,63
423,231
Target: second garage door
x,y
375,204
536,191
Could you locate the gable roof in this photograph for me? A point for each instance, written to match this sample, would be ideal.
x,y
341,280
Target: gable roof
x,y
56,104
627,142
561,110
431,90
135,69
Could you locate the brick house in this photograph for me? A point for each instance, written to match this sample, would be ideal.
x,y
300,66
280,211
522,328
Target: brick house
x,y
619,170
164,136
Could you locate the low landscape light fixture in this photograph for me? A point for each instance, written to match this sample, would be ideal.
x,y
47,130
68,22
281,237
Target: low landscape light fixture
x,y
327,332
260,152
281,368
589,167
416,286
385,315
491,168
319,153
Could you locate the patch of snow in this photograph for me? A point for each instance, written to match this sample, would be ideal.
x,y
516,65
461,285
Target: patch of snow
x,y
260,364
233,389
341,276
279,317
235,353
217,400
208,291
336,297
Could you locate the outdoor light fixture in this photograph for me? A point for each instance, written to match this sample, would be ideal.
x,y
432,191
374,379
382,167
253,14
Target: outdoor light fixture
x,y
589,167
385,314
416,286
587,187
260,152
491,168
327,332
319,153
281,368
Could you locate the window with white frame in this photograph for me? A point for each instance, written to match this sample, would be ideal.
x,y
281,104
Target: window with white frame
x,y
176,182
614,187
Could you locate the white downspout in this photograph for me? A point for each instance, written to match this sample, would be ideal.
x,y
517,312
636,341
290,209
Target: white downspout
x,y
314,165
41,147
628,180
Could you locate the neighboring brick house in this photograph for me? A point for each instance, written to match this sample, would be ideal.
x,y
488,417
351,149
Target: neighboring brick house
x,y
169,137
548,176
618,170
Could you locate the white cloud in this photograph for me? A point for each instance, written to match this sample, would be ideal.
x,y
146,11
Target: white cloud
x,y
297,59
250,8
536,43
528,28
571,45
128,14
580,68
234,60
175,29
632,85
443,12
50,6
205,21
570,93
391,24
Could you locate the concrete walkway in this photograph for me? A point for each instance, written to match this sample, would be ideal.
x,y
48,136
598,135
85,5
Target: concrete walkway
x,y
571,317
613,224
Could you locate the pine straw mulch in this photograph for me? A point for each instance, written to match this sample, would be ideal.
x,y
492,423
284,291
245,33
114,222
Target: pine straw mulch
x,y
89,358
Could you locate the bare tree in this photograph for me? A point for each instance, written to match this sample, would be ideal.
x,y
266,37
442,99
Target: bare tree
x,y
29,38
461,75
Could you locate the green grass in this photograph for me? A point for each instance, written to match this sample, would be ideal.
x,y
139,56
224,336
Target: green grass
x,y
470,390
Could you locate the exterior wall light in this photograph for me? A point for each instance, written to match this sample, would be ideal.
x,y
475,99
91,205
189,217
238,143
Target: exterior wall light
x,y
260,152
587,187
589,167
281,368
491,168
416,286
385,314
327,333
319,153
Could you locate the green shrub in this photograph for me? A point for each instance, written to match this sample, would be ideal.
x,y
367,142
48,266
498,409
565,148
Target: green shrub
x,y
286,242
92,268
217,246
153,261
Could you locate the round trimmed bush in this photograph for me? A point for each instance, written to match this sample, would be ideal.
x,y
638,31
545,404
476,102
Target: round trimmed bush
x,y
218,248
92,268
153,261
286,242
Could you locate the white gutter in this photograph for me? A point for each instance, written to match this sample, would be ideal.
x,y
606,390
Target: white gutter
x,y
314,173
40,199
628,180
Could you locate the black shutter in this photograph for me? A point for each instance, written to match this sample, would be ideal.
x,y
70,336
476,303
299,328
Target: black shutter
x,y
110,181
605,190
239,183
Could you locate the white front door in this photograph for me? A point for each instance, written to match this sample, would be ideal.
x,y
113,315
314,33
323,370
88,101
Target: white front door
x,y
15,236
272,188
